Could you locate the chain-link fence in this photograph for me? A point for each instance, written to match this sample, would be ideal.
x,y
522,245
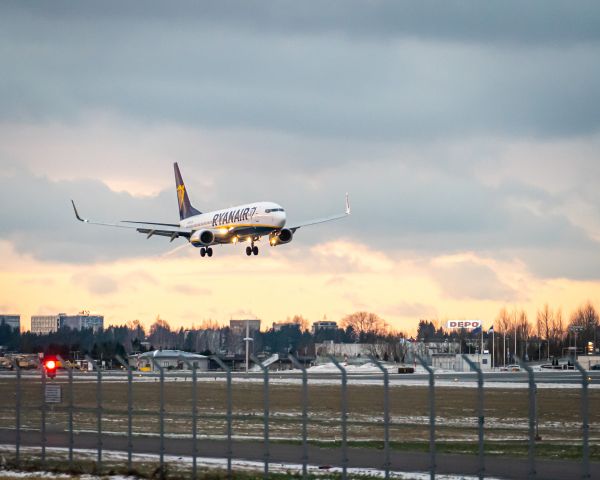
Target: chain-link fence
x,y
375,418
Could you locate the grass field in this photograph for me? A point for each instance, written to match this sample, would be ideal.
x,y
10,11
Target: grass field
x,y
506,410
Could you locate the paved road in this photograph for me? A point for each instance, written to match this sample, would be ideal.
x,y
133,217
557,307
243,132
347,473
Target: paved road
x,y
500,467
549,377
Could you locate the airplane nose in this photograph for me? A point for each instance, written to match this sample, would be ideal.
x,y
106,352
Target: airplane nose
x,y
281,219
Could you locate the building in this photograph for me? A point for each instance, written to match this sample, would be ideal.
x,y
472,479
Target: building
x,y
169,359
13,321
239,326
45,324
323,325
344,350
236,343
82,320
278,326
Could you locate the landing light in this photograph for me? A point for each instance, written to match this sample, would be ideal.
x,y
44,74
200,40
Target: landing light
x,y
234,240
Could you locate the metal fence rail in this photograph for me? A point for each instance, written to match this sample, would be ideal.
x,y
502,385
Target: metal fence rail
x,y
391,429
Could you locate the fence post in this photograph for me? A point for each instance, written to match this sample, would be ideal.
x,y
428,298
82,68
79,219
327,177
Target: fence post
x,y
193,367
480,411
298,365
70,408
227,370
161,415
98,409
386,414
265,371
129,410
344,417
532,418
432,466
585,379
18,413
43,411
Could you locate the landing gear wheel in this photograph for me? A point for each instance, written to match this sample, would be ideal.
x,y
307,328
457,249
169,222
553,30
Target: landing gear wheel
x,y
248,251
255,250
209,251
203,251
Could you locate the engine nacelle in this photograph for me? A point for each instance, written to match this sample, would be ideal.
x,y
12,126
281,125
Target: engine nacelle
x,y
202,238
284,235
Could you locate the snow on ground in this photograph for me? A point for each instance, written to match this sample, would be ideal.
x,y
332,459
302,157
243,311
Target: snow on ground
x,y
328,374
216,463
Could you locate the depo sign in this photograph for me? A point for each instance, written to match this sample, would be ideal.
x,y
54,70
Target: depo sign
x,y
468,324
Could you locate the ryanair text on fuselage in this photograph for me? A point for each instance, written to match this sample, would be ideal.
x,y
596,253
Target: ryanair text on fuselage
x,y
245,223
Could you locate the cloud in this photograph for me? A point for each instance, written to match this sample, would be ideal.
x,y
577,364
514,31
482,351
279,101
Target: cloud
x,y
470,280
411,309
190,290
537,22
380,74
95,283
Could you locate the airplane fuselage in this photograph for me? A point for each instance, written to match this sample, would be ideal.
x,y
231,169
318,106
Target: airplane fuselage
x,y
239,223
243,223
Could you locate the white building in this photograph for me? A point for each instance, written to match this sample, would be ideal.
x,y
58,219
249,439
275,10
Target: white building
x,y
170,360
456,363
45,324
344,349
323,325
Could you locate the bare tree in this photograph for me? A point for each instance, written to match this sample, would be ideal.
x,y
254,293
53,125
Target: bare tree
x,y
364,322
161,335
544,326
585,318
301,322
523,327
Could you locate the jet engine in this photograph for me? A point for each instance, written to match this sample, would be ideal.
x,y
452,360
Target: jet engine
x,y
284,235
202,238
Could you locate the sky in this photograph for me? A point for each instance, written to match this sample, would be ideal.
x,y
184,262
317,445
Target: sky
x,y
466,133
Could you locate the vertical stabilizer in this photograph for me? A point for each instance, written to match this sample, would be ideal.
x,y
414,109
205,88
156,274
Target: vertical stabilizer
x,y
185,207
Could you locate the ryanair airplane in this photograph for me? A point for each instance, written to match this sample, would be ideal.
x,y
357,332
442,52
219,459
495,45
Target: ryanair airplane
x,y
245,223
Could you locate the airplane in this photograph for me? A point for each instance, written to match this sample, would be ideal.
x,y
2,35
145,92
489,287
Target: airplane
x,y
243,223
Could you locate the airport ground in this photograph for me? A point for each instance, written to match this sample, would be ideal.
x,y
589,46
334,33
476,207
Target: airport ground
x,y
506,412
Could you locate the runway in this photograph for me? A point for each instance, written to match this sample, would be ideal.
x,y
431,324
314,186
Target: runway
x,y
496,466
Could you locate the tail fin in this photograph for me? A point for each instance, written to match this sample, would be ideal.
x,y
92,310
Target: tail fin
x,y
185,207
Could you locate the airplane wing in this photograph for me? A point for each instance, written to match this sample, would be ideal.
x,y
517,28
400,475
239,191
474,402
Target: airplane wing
x,y
323,220
150,229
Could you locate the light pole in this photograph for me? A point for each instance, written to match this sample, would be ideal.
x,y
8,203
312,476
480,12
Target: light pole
x,y
575,329
248,339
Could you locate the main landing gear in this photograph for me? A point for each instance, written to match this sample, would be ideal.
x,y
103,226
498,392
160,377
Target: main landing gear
x,y
206,251
252,250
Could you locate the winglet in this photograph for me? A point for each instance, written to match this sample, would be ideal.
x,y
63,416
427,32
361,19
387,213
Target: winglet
x,y
347,204
77,213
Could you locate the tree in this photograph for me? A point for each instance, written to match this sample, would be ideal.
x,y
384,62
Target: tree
x,y
161,335
426,330
585,318
364,323
301,322
557,332
544,326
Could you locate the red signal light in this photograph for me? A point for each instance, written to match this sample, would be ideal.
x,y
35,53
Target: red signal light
x,y
50,367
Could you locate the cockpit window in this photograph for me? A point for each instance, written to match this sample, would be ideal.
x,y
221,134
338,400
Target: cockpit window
x,y
269,210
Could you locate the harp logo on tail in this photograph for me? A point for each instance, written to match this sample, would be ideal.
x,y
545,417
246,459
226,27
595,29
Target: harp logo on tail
x,y
180,195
